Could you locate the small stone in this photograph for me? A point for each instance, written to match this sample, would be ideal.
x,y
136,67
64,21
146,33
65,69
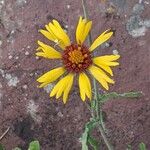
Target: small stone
x,y
17,57
26,53
10,57
2,2
68,6
66,26
107,44
28,46
25,86
115,52
65,30
60,114
37,57
31,74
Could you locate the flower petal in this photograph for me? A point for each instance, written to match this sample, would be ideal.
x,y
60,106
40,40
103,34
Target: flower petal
x,y
103,83
47,51
55,33
85,86
101,39
83,28
51,76
46,34
59,33
63,87
68,88
108,57
104,67
105,61
100,76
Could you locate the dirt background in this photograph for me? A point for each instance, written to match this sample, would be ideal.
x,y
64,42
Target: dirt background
x,y
31,114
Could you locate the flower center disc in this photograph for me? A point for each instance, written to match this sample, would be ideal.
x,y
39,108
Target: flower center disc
x,y
76,58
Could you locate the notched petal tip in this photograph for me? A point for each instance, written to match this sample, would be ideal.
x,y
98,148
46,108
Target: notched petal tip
x,y
51,94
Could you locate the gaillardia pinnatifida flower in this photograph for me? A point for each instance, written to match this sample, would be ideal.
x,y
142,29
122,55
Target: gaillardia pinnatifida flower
x,y
77,60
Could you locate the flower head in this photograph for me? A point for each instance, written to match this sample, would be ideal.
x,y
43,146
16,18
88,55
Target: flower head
x,y
77,59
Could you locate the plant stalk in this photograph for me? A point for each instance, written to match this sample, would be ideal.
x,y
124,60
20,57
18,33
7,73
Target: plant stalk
x,y
98,107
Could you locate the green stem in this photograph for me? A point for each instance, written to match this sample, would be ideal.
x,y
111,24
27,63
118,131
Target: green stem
x,y
105,138
99,115
89,43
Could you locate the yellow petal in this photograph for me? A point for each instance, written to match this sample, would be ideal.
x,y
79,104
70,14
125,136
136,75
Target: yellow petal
x,y
83,28
111,63
59,33
63,86
85,86
51,76
46,34
86,30
47,51
60,90
104,67
106,60
108,57
100,76
101,39
68,88
55,33
65,36
103,83
50,31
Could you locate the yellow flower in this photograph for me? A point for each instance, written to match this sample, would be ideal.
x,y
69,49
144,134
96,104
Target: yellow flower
x,y
77,59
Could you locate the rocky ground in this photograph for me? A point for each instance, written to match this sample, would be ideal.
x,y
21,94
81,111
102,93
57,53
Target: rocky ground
x,y
28,110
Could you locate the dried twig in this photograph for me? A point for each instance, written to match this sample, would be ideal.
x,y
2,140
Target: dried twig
x,y
3,135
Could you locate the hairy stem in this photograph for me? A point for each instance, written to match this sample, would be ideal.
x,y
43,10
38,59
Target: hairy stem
x,y
105,138
98,107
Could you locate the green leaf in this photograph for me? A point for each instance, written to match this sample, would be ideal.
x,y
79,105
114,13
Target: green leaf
x,y
105,97
129,147
88,127
91,124
84,140
2,147
93,104
93,142
142,146
34,145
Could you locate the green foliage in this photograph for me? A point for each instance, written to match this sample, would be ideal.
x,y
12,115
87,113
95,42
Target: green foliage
x,y
93,142
142,146
2,147
129,147
104,97
87,138
35,145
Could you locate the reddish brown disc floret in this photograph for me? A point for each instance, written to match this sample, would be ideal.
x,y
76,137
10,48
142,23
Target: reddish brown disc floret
x,y
76,58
